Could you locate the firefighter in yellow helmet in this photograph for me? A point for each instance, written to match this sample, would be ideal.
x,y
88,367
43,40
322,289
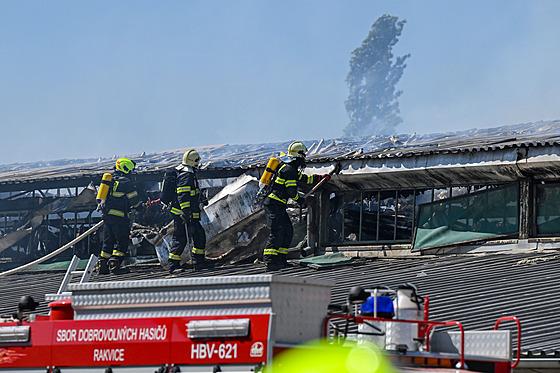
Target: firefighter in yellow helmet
x,y
181,191
284,187
121,197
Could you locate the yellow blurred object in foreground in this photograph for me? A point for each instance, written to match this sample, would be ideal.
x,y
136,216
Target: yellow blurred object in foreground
x,y
321,357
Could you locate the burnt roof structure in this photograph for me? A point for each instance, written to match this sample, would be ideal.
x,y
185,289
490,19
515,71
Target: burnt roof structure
x,y
474,156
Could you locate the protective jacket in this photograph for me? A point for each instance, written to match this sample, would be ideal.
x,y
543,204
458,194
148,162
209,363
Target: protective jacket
x,y
121,198
285,185
188,193
168,193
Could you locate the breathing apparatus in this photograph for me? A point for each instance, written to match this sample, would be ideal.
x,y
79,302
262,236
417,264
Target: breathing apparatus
x,y
269,172
295,156
103,192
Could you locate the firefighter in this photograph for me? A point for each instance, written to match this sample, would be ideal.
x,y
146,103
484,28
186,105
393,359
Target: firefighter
x,y
284,187
181,192
121,197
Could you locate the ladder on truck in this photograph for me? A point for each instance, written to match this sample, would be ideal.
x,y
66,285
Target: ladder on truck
x,y
72,271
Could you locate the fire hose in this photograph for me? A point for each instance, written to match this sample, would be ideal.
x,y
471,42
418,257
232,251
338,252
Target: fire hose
x,y
56,252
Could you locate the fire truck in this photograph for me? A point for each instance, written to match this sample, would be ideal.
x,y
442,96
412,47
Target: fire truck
x,y
236,324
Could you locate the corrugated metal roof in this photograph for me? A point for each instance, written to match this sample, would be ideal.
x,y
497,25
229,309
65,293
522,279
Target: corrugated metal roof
x,y
475,290
247,156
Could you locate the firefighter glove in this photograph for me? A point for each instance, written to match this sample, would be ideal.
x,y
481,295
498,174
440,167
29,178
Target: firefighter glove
x,y
204,197
188,218
301,202
102,208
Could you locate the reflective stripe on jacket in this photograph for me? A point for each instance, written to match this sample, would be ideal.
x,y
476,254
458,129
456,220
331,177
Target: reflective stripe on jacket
x,y
285,184
122,197
188,193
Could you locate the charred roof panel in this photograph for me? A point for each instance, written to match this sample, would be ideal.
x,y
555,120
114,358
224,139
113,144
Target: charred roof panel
x,y
492,155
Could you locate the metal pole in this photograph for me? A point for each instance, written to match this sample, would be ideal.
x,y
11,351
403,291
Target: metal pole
x,y
361,216
377,224
396,213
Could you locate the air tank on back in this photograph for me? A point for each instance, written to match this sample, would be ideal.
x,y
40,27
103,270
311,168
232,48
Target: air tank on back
x,y
268,172
106,182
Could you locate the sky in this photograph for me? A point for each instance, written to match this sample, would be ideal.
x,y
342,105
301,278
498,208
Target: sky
x,y
95,78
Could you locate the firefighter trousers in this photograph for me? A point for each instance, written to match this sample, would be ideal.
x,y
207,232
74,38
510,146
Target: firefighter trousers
x,y
115,238
178,242
281,233
181,232
197,234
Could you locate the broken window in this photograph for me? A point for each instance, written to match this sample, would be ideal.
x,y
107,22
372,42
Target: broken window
x,y
387,207
370,209
352,216
406,212
480,215
372,216
335,220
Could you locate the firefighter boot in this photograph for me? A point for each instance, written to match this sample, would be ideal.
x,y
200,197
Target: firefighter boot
x,y
200,262
175,267
272,263
114,264
102,267
273,266
282,260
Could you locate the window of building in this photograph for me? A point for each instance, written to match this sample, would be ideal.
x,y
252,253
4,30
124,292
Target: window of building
x,y
390,216
371,216
547,209
470,217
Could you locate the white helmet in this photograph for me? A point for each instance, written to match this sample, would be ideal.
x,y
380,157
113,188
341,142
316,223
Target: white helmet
x,y
191,158
297,150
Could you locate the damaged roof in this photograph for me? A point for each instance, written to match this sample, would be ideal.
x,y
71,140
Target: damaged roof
x,y
247,156
475,290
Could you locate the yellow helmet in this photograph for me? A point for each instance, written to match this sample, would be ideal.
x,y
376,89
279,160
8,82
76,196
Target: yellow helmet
x,y
125,165
191,158
297,149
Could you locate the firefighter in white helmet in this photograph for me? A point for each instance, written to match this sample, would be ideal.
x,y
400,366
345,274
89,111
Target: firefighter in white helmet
x,y
284,187
181,191
116,229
